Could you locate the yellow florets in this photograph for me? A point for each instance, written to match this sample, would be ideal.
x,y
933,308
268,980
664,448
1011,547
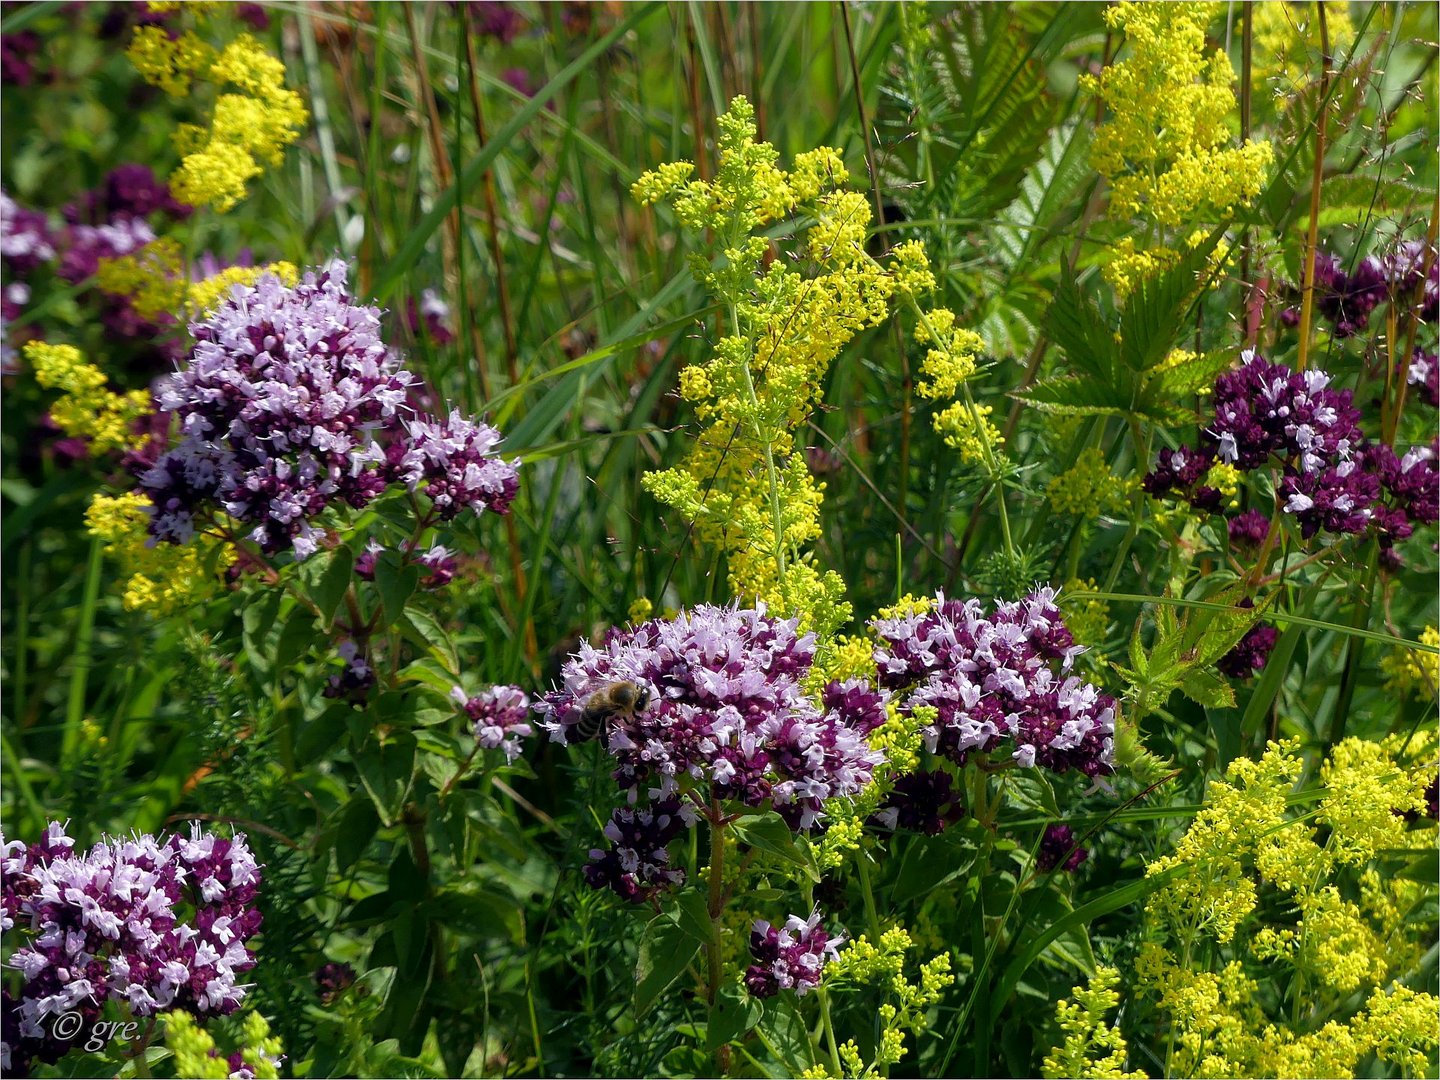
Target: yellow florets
x,y
882,964
1413,672
1224,478
1166,148
196,1055
744,485
161,578
86,408
153,278
1092,1047
1088,488
967,429
245,129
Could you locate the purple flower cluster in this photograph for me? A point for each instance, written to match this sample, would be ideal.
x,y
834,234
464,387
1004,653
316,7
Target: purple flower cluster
x,y
1248,529
1059,849
726,709
725,714
355,679
153,923
921,801
455,460
332,978
999,680
791,958
1250,653
16,52
637,864
499,717
291,404
432,316
1331,479
1264,411
25,237
128,191
1346,299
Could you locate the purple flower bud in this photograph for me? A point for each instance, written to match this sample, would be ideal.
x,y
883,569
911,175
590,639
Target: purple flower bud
x,y
332,978
1058,848
1248,529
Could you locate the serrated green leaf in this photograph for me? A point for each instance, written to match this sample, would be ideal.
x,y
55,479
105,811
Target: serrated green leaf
x,y
1075,395
1207,689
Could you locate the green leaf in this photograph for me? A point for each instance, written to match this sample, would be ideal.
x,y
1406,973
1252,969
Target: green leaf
x,y
770,834
327,593
1208,689
296,637
1158,308
358,823
734,1013
666,949
396,583
1189,376
421,629
1075,395
385,771
1074,324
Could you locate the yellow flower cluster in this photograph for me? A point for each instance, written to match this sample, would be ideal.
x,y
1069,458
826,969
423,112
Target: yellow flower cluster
x,y
1088,488
1092,1047
744,484
1166,149
966,428
195,1052
160,578
1248,839
1412,672
246,128
155,281
86,408
899,738
1087,618
882,964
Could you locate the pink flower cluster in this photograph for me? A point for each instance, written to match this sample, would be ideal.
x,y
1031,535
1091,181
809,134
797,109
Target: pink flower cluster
x,y
999,682
155,923
291,403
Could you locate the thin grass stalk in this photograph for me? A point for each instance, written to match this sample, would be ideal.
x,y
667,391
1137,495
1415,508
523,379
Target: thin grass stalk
x,y
492,213
1307,303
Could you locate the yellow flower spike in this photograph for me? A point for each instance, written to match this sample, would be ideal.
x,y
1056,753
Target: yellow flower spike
x,y
160,578
86,409
1166,147
245,129
1411,672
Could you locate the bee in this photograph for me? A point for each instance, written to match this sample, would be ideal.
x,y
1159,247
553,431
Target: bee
x,y
611,702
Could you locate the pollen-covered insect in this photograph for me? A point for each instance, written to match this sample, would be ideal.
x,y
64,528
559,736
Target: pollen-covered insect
x,y
613,701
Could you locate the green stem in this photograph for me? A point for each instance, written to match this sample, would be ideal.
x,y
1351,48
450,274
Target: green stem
x,y
716,904
84,640
872,916
830,1044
